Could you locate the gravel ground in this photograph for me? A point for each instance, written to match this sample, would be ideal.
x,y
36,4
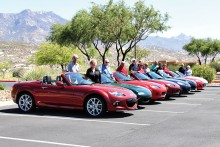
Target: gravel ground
x,y
5,95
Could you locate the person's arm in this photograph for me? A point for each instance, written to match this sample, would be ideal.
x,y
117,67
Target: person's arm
x,y
77,68
100,79
87,73
68,67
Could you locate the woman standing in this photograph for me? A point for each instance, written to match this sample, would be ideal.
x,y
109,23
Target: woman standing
x,y
93,72
188,71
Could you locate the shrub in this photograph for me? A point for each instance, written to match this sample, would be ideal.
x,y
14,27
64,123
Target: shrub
x,y
2,87
215,65
38,73
18,72
205,72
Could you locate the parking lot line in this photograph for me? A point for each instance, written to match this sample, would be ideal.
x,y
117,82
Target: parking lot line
x,y
75,119
199,98
42,142
162,111
171,103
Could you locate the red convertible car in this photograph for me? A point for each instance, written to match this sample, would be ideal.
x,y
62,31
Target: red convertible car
x,y
72,91
200,85
158,91
173,89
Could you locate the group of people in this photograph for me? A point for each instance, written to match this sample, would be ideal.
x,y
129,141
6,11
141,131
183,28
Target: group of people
x,y
94,73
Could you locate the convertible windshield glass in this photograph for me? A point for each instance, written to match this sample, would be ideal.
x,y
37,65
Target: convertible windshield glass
x,y
78,79
175,74
141,76
154,75
181,74
122,77
164,74
105,79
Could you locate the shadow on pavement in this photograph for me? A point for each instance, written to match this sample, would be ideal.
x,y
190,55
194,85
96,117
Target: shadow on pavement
x,y
66,113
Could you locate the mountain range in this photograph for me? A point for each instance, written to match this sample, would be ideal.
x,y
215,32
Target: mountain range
x,y
33,27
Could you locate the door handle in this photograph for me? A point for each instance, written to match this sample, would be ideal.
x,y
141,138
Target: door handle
x,y
44,87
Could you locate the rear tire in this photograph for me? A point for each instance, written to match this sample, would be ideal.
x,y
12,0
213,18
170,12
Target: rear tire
x,y
26,103
95,106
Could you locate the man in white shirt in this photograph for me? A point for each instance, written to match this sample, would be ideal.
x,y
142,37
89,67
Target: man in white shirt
x,y
73,66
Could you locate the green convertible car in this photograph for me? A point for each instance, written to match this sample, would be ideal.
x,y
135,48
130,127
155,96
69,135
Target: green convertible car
x,y
143,94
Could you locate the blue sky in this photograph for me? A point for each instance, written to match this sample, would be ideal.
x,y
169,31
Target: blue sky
x,y
198,18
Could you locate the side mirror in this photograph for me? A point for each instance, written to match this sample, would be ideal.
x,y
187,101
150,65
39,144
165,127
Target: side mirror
x,y
59,83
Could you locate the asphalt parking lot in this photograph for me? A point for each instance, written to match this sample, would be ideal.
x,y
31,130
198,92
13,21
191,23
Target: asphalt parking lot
x,y
191,120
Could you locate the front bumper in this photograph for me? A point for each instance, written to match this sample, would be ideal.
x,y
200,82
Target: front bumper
x,y
125,104
173,91
157,95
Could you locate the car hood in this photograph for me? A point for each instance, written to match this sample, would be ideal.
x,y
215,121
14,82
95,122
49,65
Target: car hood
x,y
136,89
143,83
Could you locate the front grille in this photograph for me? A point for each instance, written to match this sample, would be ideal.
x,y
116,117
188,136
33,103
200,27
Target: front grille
x,y
131,102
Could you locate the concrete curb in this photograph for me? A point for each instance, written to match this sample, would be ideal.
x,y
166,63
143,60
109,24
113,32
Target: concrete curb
x,y
6,103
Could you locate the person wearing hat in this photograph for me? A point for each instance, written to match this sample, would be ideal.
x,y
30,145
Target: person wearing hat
x,y
73,66
105,69
133,66
122,68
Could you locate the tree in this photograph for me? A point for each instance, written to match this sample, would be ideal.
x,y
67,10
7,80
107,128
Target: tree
x,y
111,24
53,54
203,49
4,66
140,53
139,23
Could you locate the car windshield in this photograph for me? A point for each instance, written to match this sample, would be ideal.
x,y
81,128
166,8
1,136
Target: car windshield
x,y
175,74
105,79
163,74
122,77
141,76
154,75
181,74
78,79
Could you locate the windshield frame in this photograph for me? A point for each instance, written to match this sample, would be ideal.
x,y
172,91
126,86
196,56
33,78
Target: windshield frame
x,y
106,77
121,74
155,74
141,74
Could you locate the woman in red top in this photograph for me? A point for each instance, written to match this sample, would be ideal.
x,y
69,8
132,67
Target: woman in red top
x,y
140,68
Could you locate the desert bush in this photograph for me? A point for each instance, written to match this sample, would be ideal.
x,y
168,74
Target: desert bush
x,y
215,65
18,72
204,71
2,87
38,73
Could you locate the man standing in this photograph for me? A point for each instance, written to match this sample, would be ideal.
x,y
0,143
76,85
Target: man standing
x,y
182,69
133,66
105,69
73,66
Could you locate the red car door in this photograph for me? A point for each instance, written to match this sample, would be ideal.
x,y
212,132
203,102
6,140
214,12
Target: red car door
x,y
58,95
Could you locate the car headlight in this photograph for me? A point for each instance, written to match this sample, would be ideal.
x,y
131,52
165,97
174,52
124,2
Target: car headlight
x,y
171,85
115,93
141,93
154,86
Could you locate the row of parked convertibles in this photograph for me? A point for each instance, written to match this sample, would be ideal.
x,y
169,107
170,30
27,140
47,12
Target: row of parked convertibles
x,y
75,91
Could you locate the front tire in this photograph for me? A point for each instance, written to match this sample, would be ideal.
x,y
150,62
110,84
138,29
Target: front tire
x,y
95,106
26,103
